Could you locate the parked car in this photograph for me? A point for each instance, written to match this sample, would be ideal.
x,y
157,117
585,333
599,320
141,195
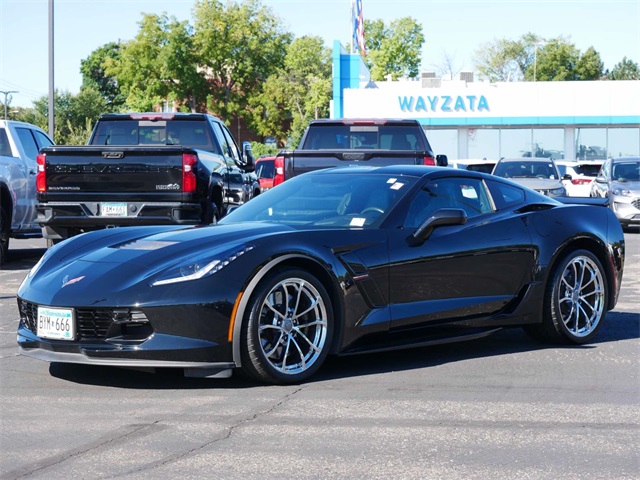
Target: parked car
x,y
582,172
539,174
475,165
265,170
19,145
619,181
320,266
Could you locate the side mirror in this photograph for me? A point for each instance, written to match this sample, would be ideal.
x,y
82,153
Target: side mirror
x,y
249,161
439,218
442,160
601,179
566,176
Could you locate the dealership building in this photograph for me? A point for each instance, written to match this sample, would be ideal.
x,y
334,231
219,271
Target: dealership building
x,y
466,118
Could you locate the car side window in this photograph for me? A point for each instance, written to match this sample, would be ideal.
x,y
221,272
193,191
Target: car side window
x,y
5,148
42,139
233,149
505,195
28,142
468,194
217,130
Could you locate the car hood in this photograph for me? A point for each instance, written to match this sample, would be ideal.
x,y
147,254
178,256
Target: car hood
x,y
633,186
102,265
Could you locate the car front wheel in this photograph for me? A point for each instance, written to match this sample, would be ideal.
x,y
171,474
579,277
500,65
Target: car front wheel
x,y
288,332
575,300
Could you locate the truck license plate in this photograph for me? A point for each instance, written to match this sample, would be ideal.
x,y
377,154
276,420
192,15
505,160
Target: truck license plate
x,y
113,209
56,323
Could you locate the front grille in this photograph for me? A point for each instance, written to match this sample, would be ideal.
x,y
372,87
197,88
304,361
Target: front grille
x,y
636,203
91,323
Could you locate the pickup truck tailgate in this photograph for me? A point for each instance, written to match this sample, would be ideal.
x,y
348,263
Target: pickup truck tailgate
x,y
130,170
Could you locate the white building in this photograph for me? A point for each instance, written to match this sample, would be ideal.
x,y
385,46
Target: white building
x,y
470,119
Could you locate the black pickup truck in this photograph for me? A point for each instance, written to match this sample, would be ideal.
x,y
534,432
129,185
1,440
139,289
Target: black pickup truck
x,y
342,142
141,169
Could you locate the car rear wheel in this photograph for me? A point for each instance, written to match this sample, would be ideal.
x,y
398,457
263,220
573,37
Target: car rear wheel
x,y
575,300
288,332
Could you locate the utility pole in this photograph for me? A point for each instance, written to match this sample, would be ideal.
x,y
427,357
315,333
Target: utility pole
x,y
51,83
6,93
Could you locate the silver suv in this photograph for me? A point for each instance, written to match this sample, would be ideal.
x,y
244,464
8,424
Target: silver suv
x,y
619,181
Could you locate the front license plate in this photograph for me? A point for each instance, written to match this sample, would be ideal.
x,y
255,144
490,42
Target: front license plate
x,y
113,209
56,323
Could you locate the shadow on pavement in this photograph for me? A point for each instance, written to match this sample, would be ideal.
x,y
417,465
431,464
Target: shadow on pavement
x,y
619,326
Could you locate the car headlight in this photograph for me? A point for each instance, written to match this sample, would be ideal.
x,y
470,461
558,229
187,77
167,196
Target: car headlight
x,y
200,267
622,192
557,192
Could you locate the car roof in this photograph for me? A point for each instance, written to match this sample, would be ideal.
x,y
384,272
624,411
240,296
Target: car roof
x,y
626,159
399,170
364,121
527,159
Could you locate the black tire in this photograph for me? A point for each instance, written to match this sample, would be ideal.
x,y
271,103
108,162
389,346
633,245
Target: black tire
x,y
5,227
288,330
211,214
575,301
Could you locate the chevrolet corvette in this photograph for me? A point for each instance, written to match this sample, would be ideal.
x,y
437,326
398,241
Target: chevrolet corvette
x,y
333,262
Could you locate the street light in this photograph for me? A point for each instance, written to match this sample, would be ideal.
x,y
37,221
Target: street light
x,y
535,58
6,93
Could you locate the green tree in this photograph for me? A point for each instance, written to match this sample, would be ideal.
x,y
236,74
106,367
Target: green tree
x,y
74,114
556,61
589,66
395,50
94,75
299,92
159,65
626,69
239,45
505,60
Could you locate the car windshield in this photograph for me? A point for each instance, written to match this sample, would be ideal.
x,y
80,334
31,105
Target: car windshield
x,y
328,200
626,171
526,169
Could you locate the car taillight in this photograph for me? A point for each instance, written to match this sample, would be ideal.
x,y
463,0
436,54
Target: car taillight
x,y
188,173
580,181
429,161
279,166
41,175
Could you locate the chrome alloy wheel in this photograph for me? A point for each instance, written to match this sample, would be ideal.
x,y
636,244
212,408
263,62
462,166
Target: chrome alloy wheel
x,y
581,296
293,326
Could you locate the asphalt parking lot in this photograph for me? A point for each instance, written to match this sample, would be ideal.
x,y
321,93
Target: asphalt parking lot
x,y
499,407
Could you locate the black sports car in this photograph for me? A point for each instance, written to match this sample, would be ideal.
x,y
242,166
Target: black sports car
x,y
337,261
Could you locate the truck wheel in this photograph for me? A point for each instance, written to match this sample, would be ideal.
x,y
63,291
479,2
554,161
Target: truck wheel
x,y
212,214
5,226
287,333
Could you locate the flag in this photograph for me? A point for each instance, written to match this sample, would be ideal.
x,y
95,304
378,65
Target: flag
x,y
357,25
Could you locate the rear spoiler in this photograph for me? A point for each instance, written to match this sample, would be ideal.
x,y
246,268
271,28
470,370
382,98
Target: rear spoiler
x,y
597,202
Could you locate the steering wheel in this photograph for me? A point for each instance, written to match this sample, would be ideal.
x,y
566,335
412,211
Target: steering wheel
x,y
372,209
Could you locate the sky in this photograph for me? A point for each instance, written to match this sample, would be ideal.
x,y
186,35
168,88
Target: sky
x,y
452,28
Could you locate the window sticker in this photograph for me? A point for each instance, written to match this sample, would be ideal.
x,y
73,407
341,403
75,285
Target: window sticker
x,y
397,186
357,222
392,180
